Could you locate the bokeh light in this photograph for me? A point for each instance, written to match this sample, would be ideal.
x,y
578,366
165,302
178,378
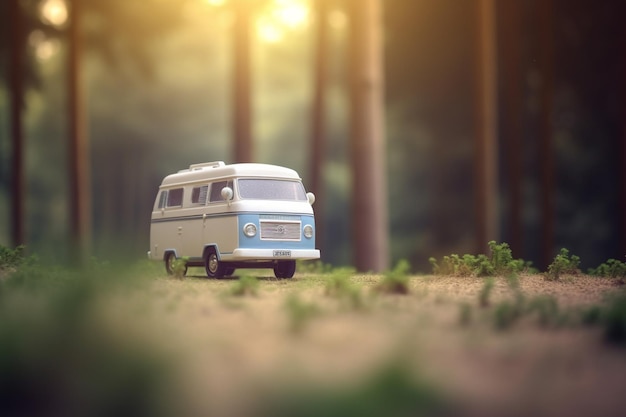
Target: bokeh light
x,y
54,12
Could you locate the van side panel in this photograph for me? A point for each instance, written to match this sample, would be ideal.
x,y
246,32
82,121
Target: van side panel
x,y
164,235
220,230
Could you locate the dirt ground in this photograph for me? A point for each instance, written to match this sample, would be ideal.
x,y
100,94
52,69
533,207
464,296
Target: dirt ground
x,y
236,350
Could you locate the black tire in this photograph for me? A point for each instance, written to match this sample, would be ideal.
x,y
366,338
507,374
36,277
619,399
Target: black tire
x,y
169,259
285,269
214,268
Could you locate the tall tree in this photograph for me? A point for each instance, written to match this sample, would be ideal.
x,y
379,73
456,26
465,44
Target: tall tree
x,y
79,156
242,103
367,137
513,111
318,116
486,175
546,152
16,82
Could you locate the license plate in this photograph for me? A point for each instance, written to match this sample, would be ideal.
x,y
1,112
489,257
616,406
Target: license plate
x,y
282,254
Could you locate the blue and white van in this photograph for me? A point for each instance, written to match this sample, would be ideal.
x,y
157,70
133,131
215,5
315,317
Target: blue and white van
x,y
225,217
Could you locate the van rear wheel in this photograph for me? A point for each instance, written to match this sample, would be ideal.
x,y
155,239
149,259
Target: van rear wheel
x,y
169,259
285,269
214,268
170,263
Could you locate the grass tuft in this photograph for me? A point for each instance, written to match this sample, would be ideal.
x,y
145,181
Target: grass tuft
x,y
396,281
563,264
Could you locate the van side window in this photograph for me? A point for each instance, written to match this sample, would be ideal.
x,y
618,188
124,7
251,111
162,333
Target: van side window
x,y
198,195
162,199
216,190
175,197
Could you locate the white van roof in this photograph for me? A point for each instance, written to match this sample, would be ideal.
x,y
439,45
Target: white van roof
x,y
210,171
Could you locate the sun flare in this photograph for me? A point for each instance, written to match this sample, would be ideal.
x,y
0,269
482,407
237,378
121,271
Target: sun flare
x,y
54,12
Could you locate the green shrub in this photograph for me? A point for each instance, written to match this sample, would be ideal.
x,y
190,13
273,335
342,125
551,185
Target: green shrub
x,y
11,258
611,268
396,281
499,262
245,285
563,264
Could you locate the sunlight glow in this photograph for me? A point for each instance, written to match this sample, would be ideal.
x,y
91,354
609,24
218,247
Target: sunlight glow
x,y
44,47
280,15
291,12
54,12
268,31
216,2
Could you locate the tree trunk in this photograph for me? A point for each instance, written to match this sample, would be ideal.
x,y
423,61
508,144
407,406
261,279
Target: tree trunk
x,y
16,82
486,153
367,137
318,119
512,129
79,157
241,82
546,154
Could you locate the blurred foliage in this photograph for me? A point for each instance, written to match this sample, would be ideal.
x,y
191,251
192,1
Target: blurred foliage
x,y
60,355
391,391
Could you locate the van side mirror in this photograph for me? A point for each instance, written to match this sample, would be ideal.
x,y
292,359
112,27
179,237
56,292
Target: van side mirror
x,y
227,193
311,198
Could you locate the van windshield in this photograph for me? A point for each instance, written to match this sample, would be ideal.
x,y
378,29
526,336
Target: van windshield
x,y
266,189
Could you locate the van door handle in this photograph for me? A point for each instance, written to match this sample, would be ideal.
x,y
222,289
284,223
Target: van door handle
x,y
180,230
204,219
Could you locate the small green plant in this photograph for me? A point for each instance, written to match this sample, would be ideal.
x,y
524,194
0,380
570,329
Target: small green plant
x,y
611,268
500,262
465,314
179,267
614,319
338,285
11,258
547,309
299,313
245,285
396,281
485,292
563,264
505,314
314,267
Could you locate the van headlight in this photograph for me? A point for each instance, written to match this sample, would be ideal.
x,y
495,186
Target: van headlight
x,y
308,231
249,229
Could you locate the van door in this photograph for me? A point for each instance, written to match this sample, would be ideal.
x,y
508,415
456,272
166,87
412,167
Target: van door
x,y
193,224
219,224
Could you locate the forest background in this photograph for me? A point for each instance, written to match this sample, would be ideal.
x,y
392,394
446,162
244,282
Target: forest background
x,y
157,75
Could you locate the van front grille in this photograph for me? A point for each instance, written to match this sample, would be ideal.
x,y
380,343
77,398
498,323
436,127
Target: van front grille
x,y
280,230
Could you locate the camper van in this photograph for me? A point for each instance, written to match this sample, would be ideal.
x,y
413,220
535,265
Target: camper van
x,y
224,217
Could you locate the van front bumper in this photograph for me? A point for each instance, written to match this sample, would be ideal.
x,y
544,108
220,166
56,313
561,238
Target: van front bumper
x,y
270,254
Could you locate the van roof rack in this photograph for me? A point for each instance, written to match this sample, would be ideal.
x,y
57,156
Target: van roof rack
x,y
214,164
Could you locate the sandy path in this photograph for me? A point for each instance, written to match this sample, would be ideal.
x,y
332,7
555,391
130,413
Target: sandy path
x,y
234,350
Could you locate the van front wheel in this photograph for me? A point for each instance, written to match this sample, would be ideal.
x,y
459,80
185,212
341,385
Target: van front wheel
x,y
285,269
214,268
